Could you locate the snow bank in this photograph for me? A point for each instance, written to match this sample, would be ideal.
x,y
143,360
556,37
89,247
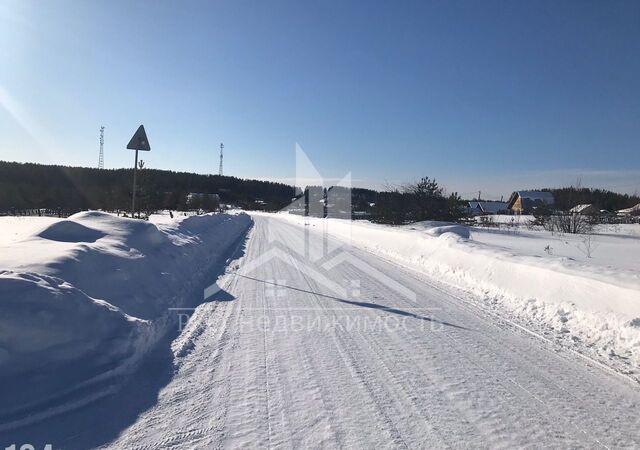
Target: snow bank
x,y
54,338
70,231
46,319
82,299
457,230
595,305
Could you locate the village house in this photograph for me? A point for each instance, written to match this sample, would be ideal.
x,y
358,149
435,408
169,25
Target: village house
x,y
526,202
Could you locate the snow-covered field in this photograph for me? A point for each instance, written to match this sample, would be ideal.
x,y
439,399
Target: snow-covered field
x,y
611,246
82,299
614,248
15,228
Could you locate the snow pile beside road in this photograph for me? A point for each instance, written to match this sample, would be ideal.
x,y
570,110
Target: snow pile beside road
x,y
597,305
45,319
82,299
54,340
457,230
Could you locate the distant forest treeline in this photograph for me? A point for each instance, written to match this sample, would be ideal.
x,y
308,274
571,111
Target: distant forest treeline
x,y
32,186
25,186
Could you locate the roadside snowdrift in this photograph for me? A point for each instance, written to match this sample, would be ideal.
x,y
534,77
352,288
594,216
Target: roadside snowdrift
x,y
45,319
597,306
83,299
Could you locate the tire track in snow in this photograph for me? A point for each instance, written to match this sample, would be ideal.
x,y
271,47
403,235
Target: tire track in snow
x,y
536,387
481,354
359,370
440,418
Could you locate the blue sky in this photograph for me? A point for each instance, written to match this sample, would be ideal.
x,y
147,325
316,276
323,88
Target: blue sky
x,y
482,95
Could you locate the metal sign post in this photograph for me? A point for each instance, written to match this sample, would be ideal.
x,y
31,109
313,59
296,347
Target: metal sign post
x,y
133,197
138,142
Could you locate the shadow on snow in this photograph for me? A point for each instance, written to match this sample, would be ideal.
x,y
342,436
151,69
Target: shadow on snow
x,y
378,306
102,421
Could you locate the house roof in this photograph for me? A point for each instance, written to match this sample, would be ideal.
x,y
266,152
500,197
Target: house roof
x,y
581,208
492,207
546,197
631,210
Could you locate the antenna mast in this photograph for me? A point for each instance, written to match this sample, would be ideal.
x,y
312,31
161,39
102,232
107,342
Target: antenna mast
x,y
101,158
220,169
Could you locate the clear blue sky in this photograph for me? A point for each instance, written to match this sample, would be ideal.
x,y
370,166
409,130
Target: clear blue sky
x,y
479,94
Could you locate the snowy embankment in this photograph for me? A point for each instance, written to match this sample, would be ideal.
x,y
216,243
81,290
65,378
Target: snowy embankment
x,y
583,302
82,299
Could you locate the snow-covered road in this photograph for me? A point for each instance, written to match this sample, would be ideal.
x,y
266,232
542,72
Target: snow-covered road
x,y
288,363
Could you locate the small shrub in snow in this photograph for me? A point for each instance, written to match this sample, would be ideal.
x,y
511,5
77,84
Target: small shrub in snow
x,y
566,223
586,245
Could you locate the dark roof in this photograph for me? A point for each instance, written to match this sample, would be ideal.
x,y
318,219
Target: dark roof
x,y
491,207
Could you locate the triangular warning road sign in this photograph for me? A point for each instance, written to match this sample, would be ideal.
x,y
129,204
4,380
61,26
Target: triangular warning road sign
x,y
139,140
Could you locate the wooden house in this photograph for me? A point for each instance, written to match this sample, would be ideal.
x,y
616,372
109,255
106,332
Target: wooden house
x,y
527,202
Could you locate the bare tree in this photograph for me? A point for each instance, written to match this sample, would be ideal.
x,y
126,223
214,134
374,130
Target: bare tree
x,y
571,223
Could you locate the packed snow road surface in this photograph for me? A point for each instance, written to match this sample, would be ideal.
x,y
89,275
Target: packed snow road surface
x,y
391,361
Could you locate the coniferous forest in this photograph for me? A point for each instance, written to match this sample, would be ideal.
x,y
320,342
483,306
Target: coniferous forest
x,y
28,186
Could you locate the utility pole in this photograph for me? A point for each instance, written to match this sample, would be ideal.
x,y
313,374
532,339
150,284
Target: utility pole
x,y
133,196
221,149
101,158
479,192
